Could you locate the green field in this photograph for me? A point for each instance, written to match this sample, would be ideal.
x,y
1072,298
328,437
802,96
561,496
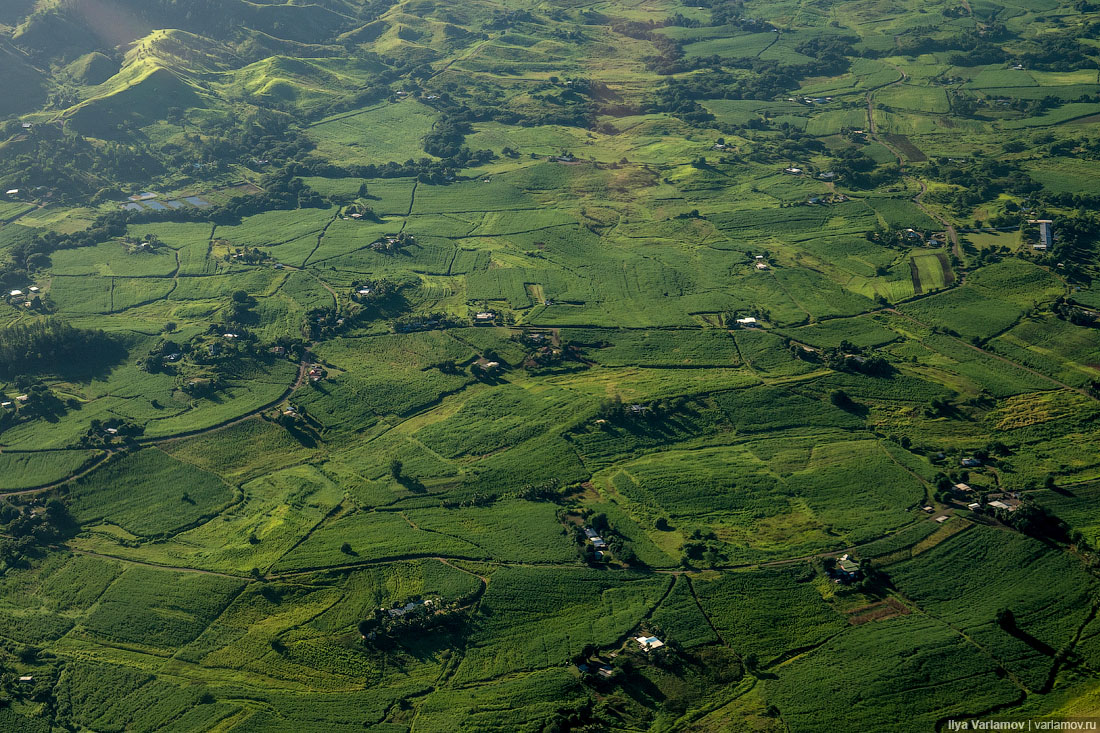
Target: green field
x,y
396,366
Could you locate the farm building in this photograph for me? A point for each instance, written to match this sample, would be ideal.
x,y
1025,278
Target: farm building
x,y
15,293
486,365
1009,505
1046,232
407,608
973,506
793,171
847,567
761,265
747,321
648,643
962,489
485,317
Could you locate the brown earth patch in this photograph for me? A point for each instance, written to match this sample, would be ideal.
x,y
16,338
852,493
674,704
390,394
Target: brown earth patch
x,y
890,608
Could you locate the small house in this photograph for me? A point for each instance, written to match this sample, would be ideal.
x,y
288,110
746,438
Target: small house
x,y
970,463
23,398
604,671
111,431
590,533
793,171
941,519
974,506
598,543
1004,506
485,317
963,489
761,265
33,288
827,175
927,509
6,403
747,320
15,293
27,679
847,567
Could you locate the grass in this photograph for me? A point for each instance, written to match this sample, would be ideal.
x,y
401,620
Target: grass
x,y
768,613
969,600
28,470
159,610
147,494
387,132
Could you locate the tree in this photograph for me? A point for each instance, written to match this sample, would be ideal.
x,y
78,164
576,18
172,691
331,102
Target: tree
x,y
395,468
841,399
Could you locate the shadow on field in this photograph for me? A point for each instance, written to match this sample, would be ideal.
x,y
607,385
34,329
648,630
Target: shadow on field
x,y
1037,644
